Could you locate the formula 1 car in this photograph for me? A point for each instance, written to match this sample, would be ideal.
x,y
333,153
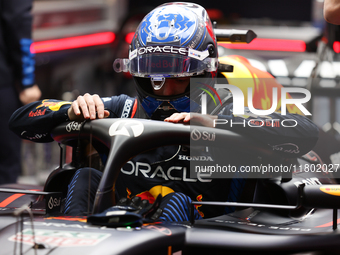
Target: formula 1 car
x,y
303,217
291,214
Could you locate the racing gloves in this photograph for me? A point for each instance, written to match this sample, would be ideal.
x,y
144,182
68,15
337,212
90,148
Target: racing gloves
x,y
128,212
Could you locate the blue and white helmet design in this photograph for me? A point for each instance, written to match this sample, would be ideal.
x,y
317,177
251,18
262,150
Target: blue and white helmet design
x,y
173,40
167,24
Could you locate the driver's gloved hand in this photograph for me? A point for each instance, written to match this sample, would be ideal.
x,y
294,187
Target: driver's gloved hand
x,y
128,212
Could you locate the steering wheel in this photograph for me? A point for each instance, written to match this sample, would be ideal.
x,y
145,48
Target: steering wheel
x,y
127,138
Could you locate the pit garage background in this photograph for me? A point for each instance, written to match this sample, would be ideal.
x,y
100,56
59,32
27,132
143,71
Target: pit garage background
x,y
75,43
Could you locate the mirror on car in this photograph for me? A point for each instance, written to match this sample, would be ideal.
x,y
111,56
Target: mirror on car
x,y
321,196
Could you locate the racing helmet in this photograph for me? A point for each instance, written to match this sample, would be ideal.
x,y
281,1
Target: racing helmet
x,y
173,40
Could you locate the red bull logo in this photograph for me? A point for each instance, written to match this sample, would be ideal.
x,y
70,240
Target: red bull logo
x,y
37,113
152,193
52,105
146,195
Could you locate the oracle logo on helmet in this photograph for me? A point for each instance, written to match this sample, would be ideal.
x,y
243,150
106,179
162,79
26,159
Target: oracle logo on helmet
x,y
162,49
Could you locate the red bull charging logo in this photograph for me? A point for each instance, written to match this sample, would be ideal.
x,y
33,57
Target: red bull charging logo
x,y
52,105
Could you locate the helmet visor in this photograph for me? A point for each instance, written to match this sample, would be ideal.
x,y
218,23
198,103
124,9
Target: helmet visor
x,y
177,62
168,66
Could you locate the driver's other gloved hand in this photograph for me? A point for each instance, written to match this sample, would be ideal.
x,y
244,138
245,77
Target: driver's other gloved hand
x,y
128,212
143,207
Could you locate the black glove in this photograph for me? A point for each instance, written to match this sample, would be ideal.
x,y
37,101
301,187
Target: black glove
x,y
128,212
